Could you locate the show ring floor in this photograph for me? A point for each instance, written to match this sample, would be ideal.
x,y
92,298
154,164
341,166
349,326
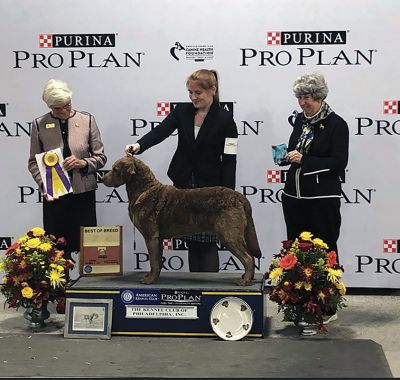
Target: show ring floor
x,y
363,343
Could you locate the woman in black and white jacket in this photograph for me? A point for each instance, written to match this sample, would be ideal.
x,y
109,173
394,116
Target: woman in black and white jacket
x,y
318,154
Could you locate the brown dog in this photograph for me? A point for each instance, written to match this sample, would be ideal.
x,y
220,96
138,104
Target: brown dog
x,y
162,211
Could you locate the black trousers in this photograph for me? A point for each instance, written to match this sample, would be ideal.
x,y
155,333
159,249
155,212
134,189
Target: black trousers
x,y
321,217
203,257
64,217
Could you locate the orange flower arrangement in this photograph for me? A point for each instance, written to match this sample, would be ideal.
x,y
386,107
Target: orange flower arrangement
x,y
305,279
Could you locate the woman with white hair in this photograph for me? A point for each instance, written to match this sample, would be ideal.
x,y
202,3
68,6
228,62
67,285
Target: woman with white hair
x,y
77,134
318,153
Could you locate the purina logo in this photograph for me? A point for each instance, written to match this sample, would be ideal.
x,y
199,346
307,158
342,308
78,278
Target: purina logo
x,y
77,51
165,108
391,246
5,242
391,106
3,112
276,176
176,244
307,38
382,126
76,40
304,48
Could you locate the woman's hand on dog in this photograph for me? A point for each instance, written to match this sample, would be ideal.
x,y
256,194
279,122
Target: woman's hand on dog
x,y
132,149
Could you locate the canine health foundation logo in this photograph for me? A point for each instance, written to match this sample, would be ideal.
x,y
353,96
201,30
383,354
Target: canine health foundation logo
x,y
197,53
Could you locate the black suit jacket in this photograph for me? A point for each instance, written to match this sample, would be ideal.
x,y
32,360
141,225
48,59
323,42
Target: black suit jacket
x,y
320,172
204,156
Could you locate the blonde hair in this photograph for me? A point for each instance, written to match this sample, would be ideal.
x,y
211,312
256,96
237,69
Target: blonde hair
x,y
207,80
56,92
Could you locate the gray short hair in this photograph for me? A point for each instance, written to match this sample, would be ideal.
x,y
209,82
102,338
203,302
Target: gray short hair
x,y
56,92
311,84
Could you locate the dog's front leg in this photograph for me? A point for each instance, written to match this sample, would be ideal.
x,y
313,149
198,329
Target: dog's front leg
x,y
155,255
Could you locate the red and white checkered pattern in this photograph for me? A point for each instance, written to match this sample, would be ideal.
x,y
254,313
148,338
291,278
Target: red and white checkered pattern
x,y
45,40
390,246
273,176
167,245
163,109
390,106
273,38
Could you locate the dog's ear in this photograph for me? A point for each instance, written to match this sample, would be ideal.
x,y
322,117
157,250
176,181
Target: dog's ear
x,y
128,171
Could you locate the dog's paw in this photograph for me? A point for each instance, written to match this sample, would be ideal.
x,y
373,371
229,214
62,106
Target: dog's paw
x,y
225,303
243,308
215,321
228,334
242,282
246,326
148,279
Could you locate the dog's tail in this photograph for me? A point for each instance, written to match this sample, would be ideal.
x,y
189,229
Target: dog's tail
x,y
250,232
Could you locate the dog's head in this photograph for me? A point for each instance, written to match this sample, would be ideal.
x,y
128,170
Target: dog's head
x,y
121,172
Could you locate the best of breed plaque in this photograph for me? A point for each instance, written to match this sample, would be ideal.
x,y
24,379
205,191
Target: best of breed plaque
x,y
101,251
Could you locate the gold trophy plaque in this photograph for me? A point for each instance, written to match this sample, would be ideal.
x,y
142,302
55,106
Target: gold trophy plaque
x,y
101,251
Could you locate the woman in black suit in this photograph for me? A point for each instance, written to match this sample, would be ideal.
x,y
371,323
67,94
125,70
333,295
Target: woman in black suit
x,y
318,153
205,155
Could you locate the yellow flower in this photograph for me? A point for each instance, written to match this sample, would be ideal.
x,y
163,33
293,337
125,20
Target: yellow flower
x,y
37,231
307,286
33,243
45,247
27,292
320,243
298,285
341,287
321,296
23,239
276,274
60,268
334,274
56,278
306,236
4,280
2,266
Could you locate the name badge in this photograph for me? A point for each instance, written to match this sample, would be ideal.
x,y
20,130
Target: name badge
x,y
230,145
50,125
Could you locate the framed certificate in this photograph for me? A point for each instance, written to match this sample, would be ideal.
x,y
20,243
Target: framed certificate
x,y
101,251
88,318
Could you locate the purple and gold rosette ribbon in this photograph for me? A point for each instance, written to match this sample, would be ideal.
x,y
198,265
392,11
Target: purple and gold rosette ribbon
x,y
56,181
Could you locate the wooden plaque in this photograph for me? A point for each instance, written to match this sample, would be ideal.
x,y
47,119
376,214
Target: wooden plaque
x,y
101,251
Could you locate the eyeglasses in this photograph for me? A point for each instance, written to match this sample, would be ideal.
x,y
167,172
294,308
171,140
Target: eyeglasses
x,y
64,107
